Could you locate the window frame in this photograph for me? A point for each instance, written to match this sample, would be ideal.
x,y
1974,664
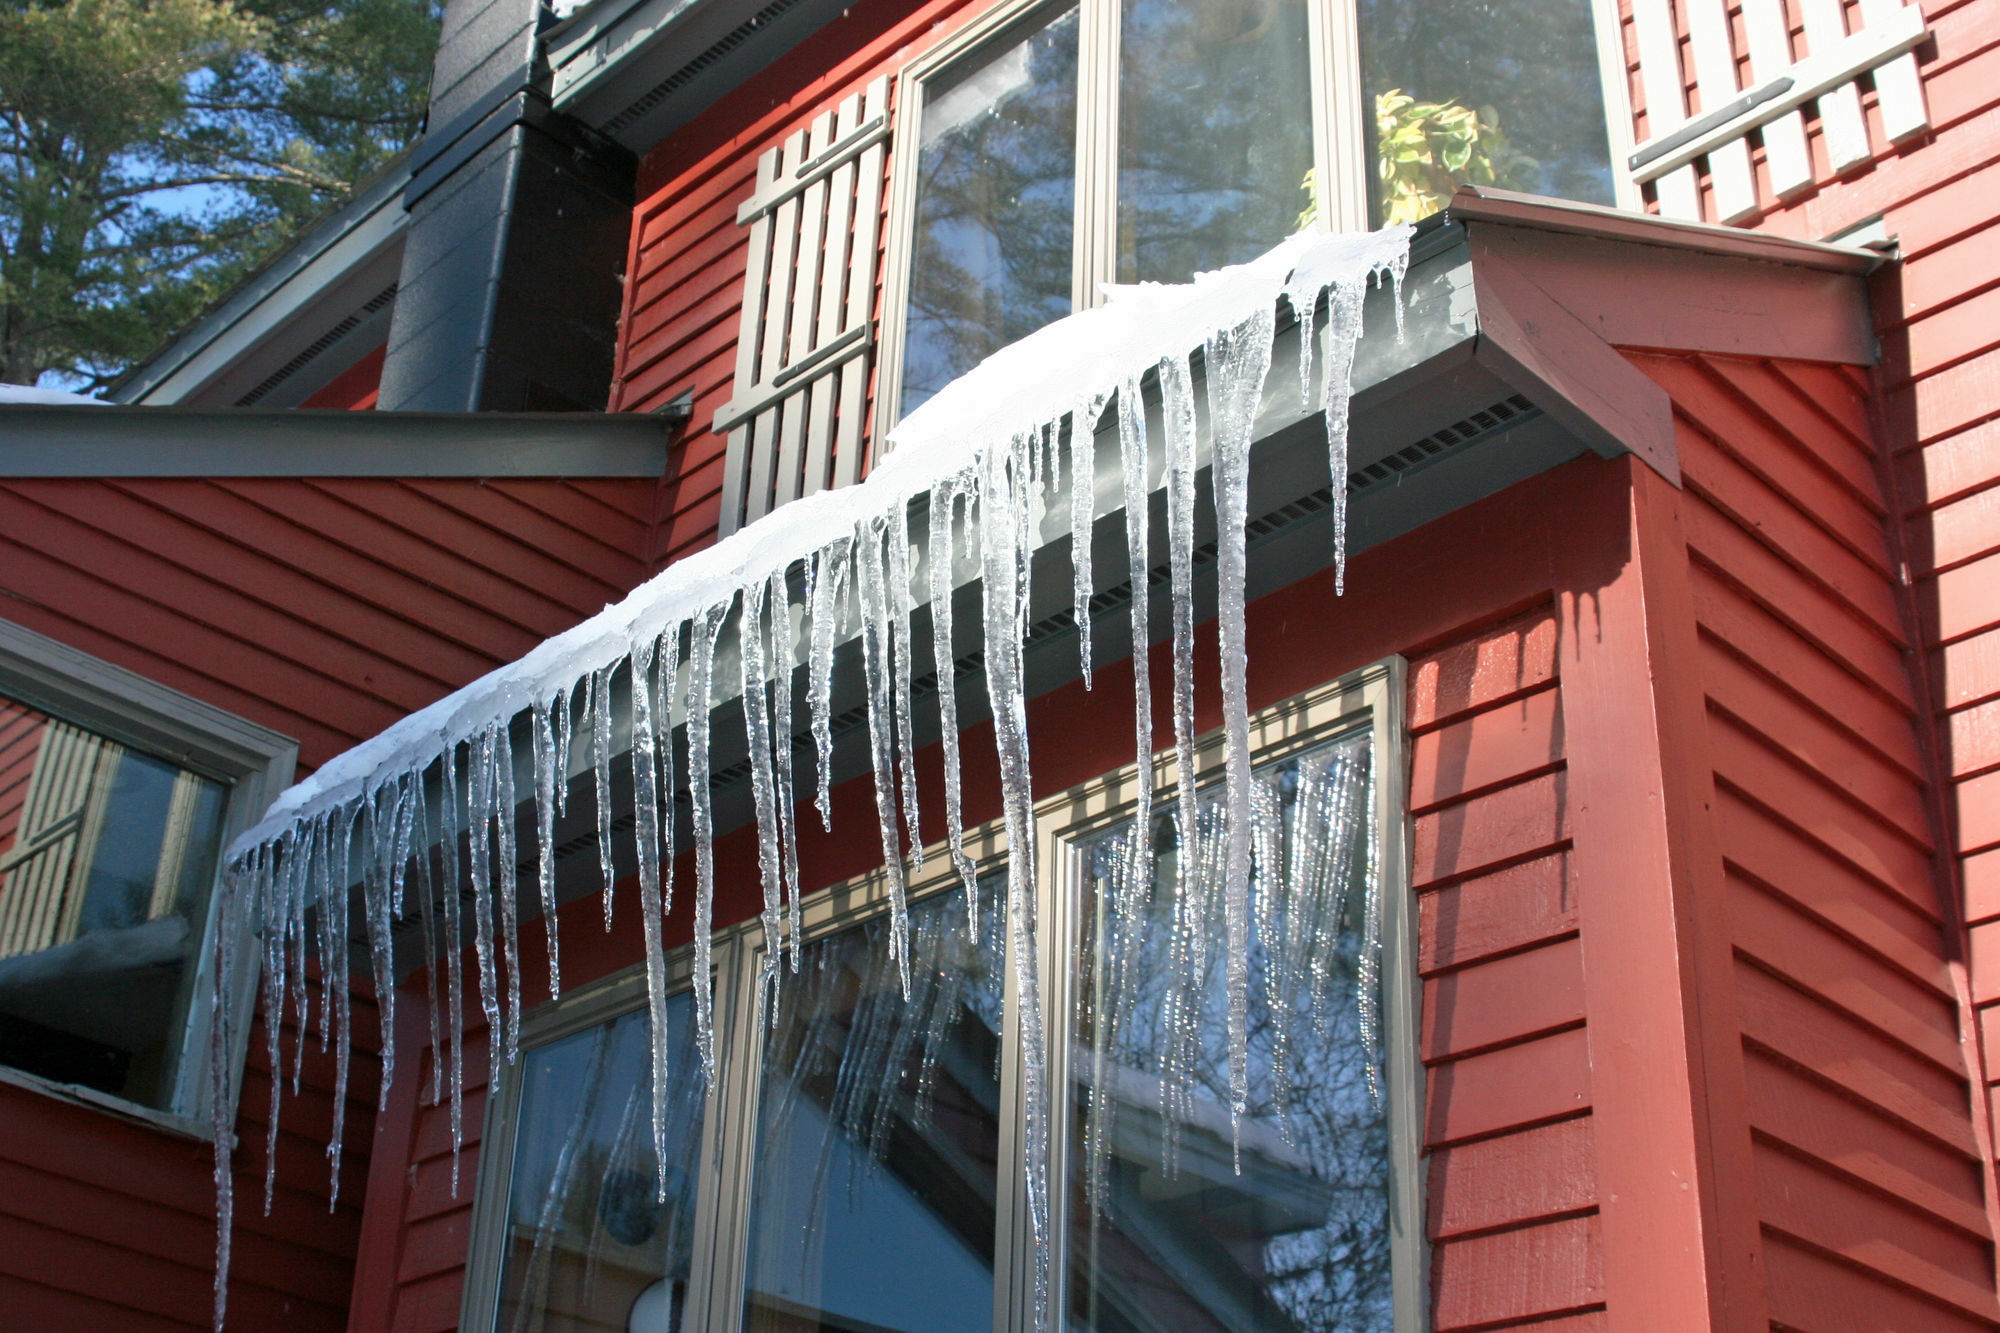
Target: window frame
x,y
254,762
1340,148
1372,697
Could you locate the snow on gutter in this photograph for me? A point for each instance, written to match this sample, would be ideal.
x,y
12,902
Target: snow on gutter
x,y
990,441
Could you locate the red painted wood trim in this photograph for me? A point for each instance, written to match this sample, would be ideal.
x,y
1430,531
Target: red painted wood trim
x,y
378,1253
1680,1227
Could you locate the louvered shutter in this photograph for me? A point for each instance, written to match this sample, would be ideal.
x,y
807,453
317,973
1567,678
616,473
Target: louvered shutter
x,y
795,419
43,876
1782,81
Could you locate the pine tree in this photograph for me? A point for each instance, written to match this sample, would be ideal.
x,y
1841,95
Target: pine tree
x,y
153,152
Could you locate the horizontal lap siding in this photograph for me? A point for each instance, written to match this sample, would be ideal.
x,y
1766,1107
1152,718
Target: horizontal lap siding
x,y
1512,1194
325,609
684,299
1868,1171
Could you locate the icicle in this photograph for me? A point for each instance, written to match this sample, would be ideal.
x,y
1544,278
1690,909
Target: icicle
x,y
1004,500
939,557
1237,362
545,833
875,648
784,648
560,725
427,913
1343,331
1082,512
479,828
333,911
454,947
763,782
505,887
829,591
666,675
379,818
310,859
230,890
1177,412
701,674
646,809
600,758
905,655
1135,466
272,913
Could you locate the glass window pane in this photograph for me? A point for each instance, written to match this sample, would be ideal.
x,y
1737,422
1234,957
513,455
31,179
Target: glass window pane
x,y
1171,1228
996,206
1483,92
1214,133
589,1244
878,1133
107,855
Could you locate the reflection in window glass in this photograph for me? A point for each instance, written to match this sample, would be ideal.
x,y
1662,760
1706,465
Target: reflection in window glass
x,y
878,1133
1486,92
1166,1231
107,856
996,206
1214,133
589,1244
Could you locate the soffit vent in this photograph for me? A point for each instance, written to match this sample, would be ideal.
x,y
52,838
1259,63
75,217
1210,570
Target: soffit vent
x,y
318,346
687,73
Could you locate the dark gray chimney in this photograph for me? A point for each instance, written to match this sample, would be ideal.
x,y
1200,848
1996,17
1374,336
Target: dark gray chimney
x,y
519,217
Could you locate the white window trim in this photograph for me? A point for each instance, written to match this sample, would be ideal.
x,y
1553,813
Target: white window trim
x,y
255,762
1372,697
1340,149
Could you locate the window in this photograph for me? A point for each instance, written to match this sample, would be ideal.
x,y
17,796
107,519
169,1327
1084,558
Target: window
x,y
1048,148
861,1168
116,798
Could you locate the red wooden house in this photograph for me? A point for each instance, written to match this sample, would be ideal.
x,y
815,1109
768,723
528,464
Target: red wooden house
x,y
1654,728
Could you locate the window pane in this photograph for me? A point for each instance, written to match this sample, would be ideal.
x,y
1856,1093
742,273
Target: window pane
x,y
878,1133
1167,1232
589,1243
996,206
107,855
1214,133
1486,92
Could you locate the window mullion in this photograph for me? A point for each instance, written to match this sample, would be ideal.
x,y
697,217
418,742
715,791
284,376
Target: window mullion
x,y
1340,115
1096,259
728,1144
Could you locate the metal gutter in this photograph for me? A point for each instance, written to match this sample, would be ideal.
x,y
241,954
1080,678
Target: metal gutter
x,y
125,441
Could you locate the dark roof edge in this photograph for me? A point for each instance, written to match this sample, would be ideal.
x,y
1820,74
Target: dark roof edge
x,y
127,441
1474,203
268,280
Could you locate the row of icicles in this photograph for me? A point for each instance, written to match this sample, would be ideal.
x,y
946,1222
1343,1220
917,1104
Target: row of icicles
x,y
406,830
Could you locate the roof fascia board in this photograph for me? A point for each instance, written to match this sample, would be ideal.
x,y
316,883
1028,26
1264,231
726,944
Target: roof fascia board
x,y
113,441
1474,203
372,221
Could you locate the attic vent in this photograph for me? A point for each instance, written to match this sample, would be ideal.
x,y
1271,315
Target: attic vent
x,y
1422,453
687,73
319,345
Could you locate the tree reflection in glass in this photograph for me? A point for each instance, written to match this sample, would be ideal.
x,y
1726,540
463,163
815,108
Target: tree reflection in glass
x,y
587,1234
1214,133
1166,1232
878,1132
996,207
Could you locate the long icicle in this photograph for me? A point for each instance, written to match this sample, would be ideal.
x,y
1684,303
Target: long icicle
x,y
334,909
454,947
505,883
875,649
904,652
701,676
938,557
545,834
1082,513
751,644
1177,415
829,592
646,815
785,648
1237,362
1135,466
600,759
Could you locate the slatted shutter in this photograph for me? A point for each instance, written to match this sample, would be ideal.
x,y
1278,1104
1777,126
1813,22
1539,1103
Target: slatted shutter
x,y
1783,80
43,876
795,419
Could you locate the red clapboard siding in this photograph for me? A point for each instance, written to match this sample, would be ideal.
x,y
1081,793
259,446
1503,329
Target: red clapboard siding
x,y
1867,1166
326,610
1512,1194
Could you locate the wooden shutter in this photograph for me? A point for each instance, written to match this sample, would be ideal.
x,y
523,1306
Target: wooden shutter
x,y
1782,81
43,876
795,419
